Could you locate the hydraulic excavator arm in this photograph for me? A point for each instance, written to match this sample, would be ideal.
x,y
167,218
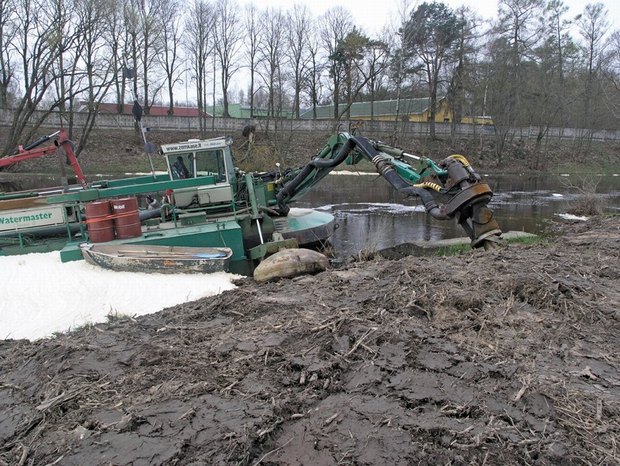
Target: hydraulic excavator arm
x,y
450,189
32,151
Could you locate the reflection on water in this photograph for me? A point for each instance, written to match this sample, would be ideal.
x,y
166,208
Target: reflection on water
x,y
372,215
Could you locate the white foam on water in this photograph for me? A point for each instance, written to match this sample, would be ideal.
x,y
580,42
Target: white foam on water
x,y
573,217
41,295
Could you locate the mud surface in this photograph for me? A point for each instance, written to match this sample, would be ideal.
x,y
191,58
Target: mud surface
x,y
504,357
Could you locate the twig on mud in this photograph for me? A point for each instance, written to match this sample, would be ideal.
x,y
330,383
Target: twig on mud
x,y
360,341
49,403
58,460
25,452
261,433
526,383
229,387
183,327
345,455
330,419
10,385
369,349
510,303
187,414
273,451
581,416
599,410
329,323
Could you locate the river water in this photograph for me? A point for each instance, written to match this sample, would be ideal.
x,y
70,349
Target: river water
x,y
372,216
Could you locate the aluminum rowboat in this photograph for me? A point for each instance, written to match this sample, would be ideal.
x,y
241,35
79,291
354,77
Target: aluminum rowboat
x,y
157,259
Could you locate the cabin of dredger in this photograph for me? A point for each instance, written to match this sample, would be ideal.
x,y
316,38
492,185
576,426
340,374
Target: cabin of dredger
x,y
195,158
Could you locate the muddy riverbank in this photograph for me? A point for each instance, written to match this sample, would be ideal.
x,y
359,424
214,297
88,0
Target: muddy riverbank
x,y
500,357
122,150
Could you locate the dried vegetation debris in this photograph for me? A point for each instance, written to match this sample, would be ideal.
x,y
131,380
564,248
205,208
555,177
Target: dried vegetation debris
x,y
503,357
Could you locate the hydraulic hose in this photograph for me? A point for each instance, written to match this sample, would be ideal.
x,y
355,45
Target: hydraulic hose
x,y
460,158
387,171
384,168
432,208
315,164
429,185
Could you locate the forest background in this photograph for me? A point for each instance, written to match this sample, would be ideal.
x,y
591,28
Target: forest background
x,y
533,64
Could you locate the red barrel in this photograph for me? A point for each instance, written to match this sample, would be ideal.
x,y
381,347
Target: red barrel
x,y
126,217
102,230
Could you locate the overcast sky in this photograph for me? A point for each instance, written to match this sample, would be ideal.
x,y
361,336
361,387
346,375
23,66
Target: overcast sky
x,y
372,15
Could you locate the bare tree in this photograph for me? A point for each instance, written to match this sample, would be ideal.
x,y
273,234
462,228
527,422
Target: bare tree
x,y
169,52
115,39
66,56
518,31
36,48
227,44
463,65
374,66
199,43
561,46
614,60
252,43
350,53
7,35
132,42
299,54
397,73
99,71
143,42
593,27
612,74
431,33
315,70
364,60
336,23
150,35
272,56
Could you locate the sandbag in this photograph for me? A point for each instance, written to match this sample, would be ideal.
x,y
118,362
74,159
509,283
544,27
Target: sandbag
x,y
289,263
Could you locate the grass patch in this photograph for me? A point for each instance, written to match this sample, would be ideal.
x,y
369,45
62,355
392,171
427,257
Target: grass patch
x,y
115,316
365,255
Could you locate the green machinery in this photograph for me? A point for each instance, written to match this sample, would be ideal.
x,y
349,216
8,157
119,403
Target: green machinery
x,y
203,200
448,190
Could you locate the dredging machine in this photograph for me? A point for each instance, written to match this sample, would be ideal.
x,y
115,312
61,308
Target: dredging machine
x,y
203,200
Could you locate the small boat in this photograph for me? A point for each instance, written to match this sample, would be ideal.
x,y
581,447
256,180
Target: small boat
x,y
157,259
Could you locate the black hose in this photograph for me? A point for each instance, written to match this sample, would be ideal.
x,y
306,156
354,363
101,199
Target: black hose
x,y
318,164
386,170
431,206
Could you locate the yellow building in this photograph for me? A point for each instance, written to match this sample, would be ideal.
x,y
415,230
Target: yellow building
x,y
477,120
